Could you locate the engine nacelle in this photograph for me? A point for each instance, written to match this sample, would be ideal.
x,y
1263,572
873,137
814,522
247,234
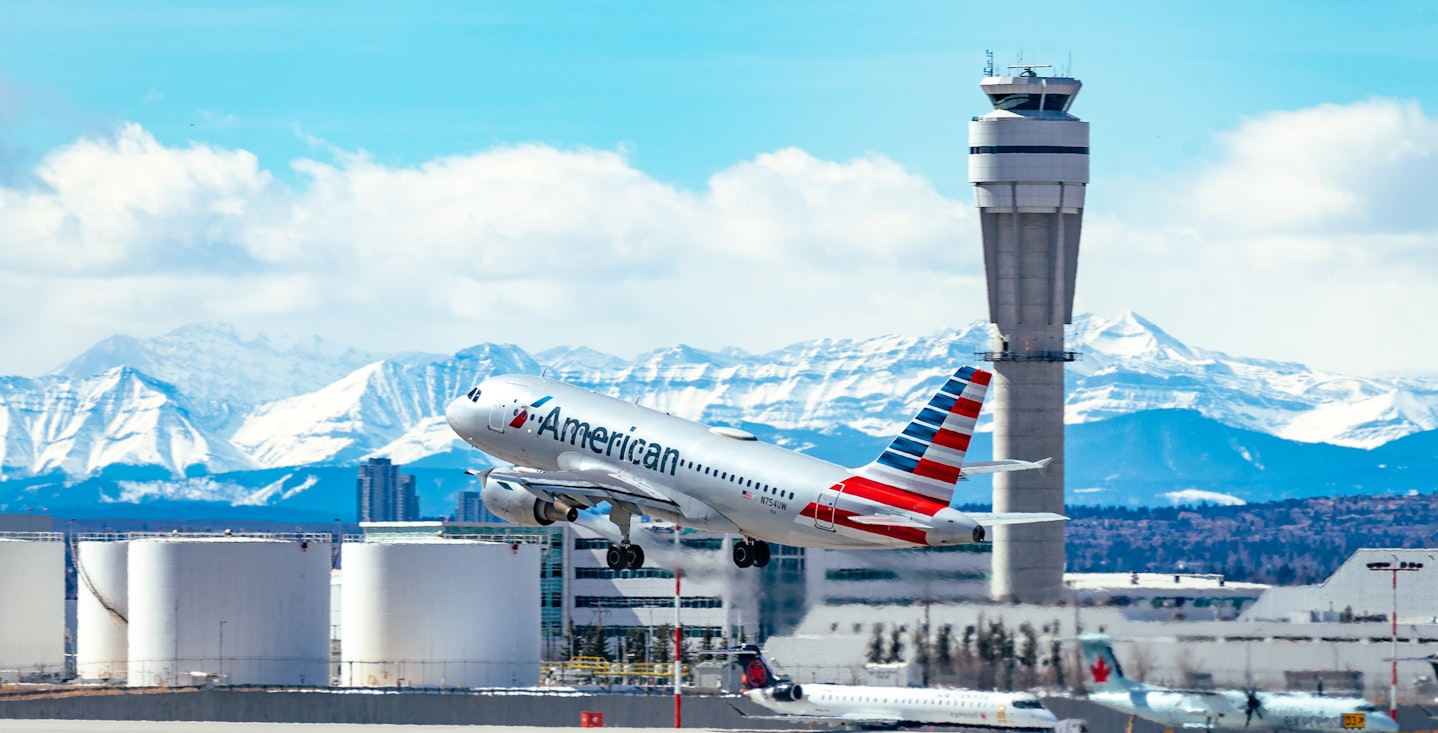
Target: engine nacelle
x,y
787,692
507,498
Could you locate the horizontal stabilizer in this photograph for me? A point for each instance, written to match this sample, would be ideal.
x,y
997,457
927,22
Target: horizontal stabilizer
x,y
1010,464
1001,518
888,520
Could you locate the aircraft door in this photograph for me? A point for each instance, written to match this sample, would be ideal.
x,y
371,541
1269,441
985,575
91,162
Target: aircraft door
x,y
498,416
828,499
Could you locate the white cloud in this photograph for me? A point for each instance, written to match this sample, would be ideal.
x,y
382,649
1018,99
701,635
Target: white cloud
x,y
1310,237
526,243
1313,237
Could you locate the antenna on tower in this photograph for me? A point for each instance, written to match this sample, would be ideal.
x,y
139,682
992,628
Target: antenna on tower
x,y
988,63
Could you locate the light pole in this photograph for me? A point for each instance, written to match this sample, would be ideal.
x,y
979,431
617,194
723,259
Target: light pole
x,y
222,652
1394,568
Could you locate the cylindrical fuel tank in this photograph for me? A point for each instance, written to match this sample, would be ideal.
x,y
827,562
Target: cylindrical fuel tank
x,y
441,613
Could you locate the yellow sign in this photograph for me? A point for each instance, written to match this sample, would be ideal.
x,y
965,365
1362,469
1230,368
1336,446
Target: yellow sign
x,y
1353,721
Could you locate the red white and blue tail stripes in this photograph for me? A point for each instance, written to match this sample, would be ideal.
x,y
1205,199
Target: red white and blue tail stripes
x,y
927,456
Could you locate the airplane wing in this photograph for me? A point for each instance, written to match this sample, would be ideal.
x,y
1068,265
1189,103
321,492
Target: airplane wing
x,y
1207,702
1011,464
994,519
593,485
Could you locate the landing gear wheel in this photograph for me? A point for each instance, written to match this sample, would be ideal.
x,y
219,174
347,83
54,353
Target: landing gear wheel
x,y
616,558
635,557
743,554
761,553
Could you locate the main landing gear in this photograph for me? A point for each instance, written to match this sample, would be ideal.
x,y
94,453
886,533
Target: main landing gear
x,y
624,556
751,552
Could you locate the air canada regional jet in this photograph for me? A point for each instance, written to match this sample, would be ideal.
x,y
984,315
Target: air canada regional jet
x,y
888,707
573,449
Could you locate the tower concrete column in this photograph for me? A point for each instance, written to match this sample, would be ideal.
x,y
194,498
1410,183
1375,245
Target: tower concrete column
x,y
1028,161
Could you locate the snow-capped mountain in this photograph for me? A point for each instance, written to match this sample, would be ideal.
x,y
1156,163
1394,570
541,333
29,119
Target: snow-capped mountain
x,y
78,427
222,372
1131,365
206,400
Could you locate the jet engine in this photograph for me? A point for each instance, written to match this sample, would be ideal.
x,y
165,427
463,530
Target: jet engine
x,y
787,692
507,498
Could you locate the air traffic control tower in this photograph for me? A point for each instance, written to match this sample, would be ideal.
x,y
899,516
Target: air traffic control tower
x,y
1028,161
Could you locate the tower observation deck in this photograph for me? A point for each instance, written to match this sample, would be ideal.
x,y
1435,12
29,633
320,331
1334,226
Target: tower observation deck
x,y
1028,161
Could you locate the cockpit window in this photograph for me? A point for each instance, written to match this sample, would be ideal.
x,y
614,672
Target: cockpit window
x,y
1369,708
473,395
1033,704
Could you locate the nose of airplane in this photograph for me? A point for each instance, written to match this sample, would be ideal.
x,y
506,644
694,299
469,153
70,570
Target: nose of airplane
x,y
459,413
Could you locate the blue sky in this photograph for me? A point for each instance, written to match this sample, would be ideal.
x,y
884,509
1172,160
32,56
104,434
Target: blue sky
x,y
677,106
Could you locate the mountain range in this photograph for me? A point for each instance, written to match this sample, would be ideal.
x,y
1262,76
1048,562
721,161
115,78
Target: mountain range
x,y
206,419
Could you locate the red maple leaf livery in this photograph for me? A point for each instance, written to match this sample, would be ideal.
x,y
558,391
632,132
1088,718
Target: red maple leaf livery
x,y
1100,671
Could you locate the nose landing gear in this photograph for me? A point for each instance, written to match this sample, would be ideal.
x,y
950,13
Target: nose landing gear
x,y
751,552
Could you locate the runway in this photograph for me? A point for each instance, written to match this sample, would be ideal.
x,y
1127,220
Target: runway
x,y
150,726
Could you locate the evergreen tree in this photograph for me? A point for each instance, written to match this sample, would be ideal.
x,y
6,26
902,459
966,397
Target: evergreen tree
x,y
875,652
706,641
1028,653
896,645
663,643
944,649
919,638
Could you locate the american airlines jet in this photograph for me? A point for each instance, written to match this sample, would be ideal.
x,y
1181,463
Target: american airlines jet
x,y
889,707
573,449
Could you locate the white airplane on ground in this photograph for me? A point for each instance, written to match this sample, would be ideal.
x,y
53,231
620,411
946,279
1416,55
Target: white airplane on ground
x,y
1231,709
891,707
572,449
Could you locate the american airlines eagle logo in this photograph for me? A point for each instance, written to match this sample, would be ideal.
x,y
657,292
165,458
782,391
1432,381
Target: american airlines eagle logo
x,y
523,415
1100,671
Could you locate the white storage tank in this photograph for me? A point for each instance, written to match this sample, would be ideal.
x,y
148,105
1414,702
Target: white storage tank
x,y
440,613
102,609
229,610
32,606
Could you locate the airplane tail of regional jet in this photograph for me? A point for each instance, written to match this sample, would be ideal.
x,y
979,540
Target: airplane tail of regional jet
x,y
928,456
756,672
1103,671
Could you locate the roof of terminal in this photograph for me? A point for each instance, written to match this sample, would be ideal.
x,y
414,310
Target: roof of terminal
x,y
1149,583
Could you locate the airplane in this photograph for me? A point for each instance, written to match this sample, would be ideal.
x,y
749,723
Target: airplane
x,y
889,707
1230,709
572,449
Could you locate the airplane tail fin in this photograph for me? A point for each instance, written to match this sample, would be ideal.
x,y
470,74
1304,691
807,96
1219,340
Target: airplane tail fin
x,y
1104,672
927,457
756,672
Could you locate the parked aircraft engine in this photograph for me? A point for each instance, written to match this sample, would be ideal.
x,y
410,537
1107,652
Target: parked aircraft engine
x,y
788,692
507,498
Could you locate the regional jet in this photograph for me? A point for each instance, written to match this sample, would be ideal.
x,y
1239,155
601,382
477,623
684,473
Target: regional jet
x,y
572,449
1230,709
887,707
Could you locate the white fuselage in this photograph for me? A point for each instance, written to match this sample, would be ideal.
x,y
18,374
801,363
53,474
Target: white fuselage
x,y
1225,709
913,705
722,481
